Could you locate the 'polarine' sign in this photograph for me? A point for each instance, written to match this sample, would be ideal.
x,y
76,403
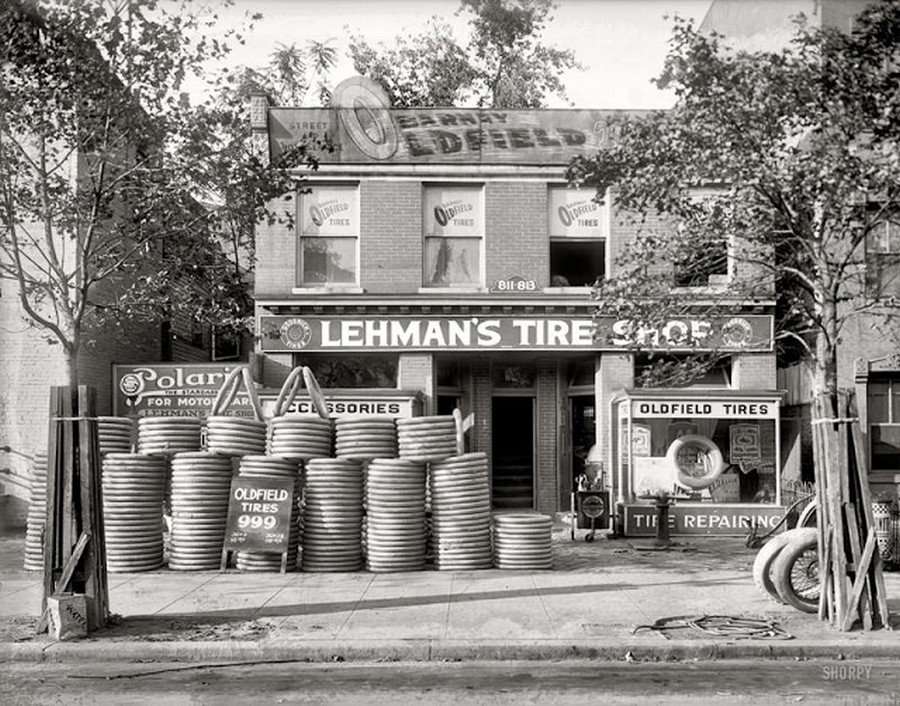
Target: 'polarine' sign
x,y
320,333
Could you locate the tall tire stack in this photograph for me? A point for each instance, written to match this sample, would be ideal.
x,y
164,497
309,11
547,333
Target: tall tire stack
x,y
133,490
395,515
461,513
36,519
201,484
332,515
523,540
786,569
259,466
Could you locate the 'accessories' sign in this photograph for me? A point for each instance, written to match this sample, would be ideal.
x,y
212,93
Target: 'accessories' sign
x,y
364,128
316,333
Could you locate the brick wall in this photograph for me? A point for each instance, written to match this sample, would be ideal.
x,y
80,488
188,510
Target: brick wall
x,y
481,404
391,240
546,431
276,255
415,372
516,241
753,371
616,371
31,366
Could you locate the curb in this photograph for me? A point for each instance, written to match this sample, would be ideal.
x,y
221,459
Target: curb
x,y
433,651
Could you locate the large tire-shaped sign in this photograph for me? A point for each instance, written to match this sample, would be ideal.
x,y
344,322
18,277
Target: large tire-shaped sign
x,y
697,461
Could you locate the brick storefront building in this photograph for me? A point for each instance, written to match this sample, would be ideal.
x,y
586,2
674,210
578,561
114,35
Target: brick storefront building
x,y
439,256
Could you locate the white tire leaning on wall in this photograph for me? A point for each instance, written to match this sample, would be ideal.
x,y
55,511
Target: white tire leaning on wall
x,y
702,472
795,571
762,565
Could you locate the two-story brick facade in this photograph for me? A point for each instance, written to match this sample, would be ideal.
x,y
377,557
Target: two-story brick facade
x,y
439,254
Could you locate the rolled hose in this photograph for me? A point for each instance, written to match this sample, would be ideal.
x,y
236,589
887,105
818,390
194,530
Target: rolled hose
x,y
715,461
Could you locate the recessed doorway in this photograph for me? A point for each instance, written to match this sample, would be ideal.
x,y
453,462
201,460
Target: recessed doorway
x,y
512,482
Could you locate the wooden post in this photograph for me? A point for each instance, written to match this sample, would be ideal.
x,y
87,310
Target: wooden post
x,y
74,505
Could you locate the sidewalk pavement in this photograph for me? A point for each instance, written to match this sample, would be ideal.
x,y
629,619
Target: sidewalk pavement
x,y
587,607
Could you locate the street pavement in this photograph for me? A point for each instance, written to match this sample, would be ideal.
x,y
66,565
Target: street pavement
x,y
596,603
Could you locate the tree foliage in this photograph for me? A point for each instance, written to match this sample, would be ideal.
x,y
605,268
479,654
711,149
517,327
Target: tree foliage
x,y
796,155
504,64
117,198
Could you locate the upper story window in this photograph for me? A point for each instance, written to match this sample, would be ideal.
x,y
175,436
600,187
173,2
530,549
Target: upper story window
x,y
705,260
328,236
883,259
453,227
578,228
883,407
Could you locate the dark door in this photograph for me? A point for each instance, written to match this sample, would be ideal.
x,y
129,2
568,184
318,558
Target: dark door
x,y
512,485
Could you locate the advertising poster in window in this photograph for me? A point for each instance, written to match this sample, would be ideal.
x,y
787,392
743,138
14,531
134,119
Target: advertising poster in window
x,y
573,213
329,210
452,211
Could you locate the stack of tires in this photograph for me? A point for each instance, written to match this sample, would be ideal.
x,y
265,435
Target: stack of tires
x,y
786,569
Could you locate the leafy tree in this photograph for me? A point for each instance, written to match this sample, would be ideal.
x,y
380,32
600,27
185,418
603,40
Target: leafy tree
x,y
797,152
503,65
102,161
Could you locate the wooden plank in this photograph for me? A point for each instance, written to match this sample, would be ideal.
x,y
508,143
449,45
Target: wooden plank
x,y
69,568
826,593
856,552
865,498
860,581
95,586
835,500
823,523
50,519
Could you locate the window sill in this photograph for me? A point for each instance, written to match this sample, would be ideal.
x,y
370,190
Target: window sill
x,y
452,290
328,290
568,290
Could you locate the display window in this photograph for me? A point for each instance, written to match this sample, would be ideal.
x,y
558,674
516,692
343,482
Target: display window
x,y
703,449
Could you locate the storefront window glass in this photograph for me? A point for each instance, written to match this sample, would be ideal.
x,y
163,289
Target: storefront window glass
x,y
345,371
514,376
719,451
453,225
328,234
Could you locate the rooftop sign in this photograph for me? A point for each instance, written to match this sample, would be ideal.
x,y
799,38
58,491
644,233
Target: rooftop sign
x,y
365,129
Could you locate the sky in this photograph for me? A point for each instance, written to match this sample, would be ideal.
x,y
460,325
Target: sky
x,y
620,43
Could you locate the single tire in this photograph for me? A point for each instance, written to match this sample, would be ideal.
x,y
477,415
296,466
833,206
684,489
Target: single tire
x,y
795,571
762,565
713,466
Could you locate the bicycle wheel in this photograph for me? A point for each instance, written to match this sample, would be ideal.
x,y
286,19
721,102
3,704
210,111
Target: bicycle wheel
x,y
795,572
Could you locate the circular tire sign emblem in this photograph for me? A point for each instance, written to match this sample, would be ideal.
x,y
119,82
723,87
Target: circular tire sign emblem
x,y
737,332
593,506
295,333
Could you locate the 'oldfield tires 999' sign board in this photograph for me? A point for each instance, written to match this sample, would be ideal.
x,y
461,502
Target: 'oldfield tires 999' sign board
x,y
259,517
